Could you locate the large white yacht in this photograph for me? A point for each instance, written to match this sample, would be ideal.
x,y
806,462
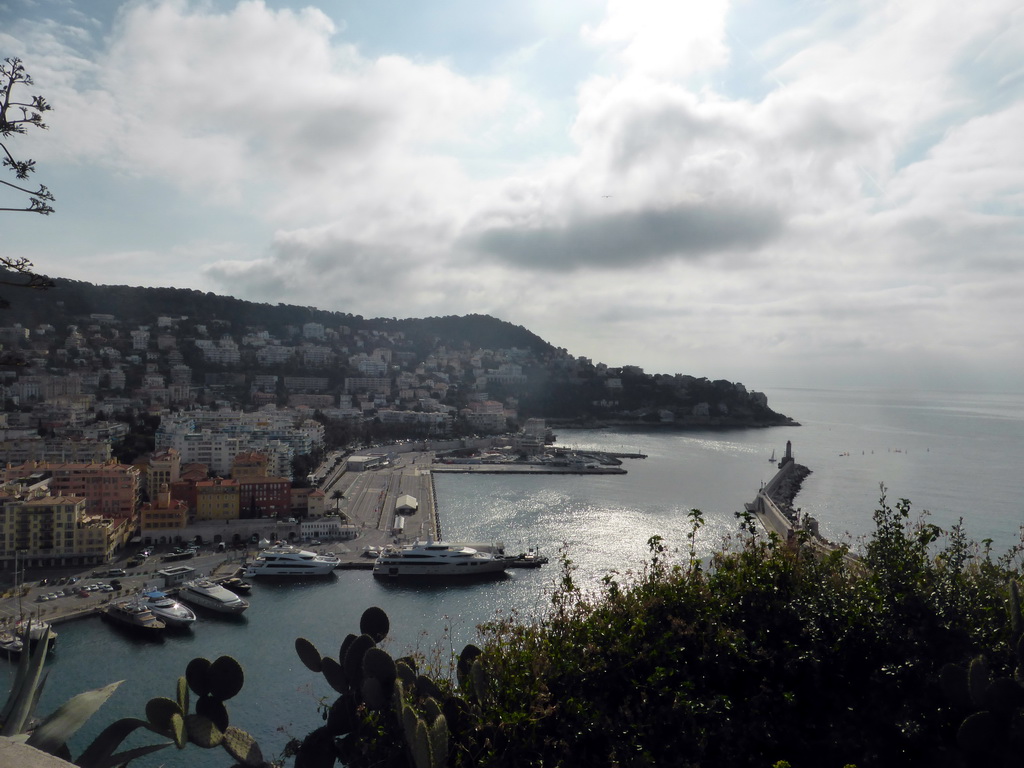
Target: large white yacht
x,y
284,560
168,610
209,594
437,558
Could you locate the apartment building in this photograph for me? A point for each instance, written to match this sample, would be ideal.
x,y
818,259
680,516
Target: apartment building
x,y
42,530
217,499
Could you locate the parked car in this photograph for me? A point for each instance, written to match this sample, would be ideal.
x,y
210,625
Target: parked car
x,y
116,572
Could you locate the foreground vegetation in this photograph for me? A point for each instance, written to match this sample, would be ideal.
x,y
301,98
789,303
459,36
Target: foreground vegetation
x,y
767,655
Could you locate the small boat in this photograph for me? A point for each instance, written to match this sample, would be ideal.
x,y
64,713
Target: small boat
x,y
11,645
208,594
286,561
237,586
168,610
36,629
438,558
772,459
134,615
531,558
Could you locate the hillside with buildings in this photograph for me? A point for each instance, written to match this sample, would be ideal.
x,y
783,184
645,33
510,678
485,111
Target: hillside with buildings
x,y
142,409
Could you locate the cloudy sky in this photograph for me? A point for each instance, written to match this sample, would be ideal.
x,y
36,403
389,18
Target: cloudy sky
x,y
776,192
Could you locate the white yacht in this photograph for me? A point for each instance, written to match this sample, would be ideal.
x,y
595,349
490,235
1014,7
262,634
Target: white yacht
x,y
168,610
284,560
437,558
209,594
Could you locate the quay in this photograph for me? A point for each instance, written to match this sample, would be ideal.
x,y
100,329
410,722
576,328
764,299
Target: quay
x,y
773,507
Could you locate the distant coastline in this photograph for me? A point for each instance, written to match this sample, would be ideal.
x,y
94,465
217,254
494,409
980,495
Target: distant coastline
x,y
678,426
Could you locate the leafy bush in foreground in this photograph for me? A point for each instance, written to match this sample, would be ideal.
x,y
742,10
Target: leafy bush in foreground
x,y
767,655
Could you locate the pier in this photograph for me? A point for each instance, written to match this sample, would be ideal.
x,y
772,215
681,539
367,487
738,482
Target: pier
x,y
773,507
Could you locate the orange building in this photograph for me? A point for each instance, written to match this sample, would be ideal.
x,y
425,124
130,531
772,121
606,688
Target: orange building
x,y
250,464
111,490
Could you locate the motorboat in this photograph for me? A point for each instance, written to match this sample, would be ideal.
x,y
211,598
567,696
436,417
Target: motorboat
x,y
237,586
134,615
531,558
11,645
285,560
168,610
437,558
209,594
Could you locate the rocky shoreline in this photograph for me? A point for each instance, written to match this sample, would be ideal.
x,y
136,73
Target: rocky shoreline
x,y
786,492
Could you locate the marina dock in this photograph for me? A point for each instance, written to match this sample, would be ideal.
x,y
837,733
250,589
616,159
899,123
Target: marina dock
x,y
392,502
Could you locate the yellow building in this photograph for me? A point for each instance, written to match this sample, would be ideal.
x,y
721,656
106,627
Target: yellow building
x,y
44,530
217,499
163,513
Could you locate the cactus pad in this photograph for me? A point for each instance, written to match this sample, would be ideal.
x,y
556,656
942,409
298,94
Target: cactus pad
x,y
421,753
197,673
353,661
214,710
242,747
406,671
378,664
202,732
178,732
334,675
427,688
159,712
183,695
308,654
431,710
228,678
438,734
375,623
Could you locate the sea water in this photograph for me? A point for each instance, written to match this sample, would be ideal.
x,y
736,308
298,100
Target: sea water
x,y
954,455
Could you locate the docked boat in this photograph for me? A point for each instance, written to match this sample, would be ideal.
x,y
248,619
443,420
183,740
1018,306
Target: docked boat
x,y
237,586
36,629
11,645
134,615
531,558
284,560
437,558
168,610
209,594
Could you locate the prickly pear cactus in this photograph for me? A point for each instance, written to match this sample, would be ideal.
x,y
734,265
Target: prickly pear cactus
x,y
384,706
